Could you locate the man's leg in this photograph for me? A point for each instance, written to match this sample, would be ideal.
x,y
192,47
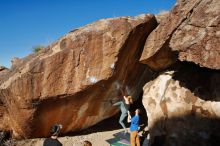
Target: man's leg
x,y
132,138
137,140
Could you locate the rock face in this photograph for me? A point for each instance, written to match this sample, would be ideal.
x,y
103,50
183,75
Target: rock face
x,y
162,16
183,101
3,72
192,30
183,106
72,81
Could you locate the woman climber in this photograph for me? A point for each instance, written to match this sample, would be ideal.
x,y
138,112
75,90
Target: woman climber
x,y
124,107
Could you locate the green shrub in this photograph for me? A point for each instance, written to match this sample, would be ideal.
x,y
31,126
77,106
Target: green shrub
x,y
38,48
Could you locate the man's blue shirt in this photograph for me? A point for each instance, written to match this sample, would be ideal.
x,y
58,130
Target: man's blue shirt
x,y
134,123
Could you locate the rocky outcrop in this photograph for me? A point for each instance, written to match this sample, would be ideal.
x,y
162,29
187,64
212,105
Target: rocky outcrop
x,y
191,30
182,102
162,16
72,81
2,68
3,72
183,106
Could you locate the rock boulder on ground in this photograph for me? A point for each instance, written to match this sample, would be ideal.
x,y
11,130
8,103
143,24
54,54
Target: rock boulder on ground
x,y
183,106
72,81
191,30
183,101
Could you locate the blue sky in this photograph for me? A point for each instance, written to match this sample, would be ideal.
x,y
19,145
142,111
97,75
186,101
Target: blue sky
x,y
27,23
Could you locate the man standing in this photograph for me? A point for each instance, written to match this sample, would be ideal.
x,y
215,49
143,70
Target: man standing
x,y
134,139
54,132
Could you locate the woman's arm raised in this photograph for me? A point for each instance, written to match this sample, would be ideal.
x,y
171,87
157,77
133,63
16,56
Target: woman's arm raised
x,y
129,117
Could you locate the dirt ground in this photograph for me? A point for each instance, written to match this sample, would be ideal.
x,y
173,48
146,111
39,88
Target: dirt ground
x,y
97,139
97,135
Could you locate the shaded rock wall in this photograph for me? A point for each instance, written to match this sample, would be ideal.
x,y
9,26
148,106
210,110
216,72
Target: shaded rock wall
x,y
72,81
183,106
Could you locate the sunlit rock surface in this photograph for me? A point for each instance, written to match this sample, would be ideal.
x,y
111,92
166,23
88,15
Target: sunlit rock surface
x,y
72,81
191,30
183,101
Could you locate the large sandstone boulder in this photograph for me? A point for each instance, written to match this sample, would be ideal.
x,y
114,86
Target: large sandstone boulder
x,y
191,30
183,106
72,81
183,102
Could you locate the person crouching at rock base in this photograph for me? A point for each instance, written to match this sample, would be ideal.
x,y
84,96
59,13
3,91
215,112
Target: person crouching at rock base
x,y
134,139
124,107
54,132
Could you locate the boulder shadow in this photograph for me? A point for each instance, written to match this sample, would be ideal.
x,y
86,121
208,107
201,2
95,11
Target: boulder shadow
x,y
201,81
187,130
108,124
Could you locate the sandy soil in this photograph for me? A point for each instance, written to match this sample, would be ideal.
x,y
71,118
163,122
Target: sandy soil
x,y
97,139
97,135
